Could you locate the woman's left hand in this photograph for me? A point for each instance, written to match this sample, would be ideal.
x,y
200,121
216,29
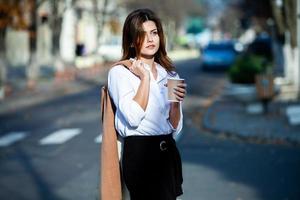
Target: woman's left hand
x,y
180,91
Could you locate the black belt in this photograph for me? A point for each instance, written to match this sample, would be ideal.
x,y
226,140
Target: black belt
x,y
163,141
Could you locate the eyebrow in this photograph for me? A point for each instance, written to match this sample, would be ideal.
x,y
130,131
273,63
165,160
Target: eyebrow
x,y
151,30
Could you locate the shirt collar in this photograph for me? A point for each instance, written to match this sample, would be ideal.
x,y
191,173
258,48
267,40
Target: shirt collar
x,y
161,72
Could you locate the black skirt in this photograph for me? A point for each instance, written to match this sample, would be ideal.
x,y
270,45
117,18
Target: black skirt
x,y
151,167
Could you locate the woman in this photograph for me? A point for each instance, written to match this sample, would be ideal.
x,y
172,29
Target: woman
x,y
151,164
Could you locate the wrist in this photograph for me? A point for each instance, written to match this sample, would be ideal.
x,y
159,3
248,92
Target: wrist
x,y
145,77
175,104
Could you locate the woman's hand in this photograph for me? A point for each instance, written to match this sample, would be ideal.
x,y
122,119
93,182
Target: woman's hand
x,y
142,94
174,114
180,91
139,70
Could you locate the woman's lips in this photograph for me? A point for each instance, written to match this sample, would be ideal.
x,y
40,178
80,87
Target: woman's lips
x,y
150,47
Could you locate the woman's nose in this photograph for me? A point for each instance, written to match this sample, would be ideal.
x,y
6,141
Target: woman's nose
x,y
149,37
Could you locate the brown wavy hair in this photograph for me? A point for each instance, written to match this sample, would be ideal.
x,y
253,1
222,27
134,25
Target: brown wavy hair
x,y
133,37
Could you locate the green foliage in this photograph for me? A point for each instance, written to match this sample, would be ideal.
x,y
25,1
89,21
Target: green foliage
x,y
246,67
195,25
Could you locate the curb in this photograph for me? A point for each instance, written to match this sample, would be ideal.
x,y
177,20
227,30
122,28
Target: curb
x,y
261,139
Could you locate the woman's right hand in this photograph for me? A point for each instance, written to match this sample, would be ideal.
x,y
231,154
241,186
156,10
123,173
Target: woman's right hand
x,y
139,70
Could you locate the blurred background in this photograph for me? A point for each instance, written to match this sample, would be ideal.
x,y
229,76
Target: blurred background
x,y
240,59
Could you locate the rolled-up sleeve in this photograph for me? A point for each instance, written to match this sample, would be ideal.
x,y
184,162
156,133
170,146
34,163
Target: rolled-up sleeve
x,y
122,93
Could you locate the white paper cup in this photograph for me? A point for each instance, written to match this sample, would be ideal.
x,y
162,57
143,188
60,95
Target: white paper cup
x,y
172,83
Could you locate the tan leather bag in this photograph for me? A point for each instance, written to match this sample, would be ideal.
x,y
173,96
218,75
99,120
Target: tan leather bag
x,y
111,187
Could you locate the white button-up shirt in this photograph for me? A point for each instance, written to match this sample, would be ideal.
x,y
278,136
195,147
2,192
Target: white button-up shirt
x,y
130,118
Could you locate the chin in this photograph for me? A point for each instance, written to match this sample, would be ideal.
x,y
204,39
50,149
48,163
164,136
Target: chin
x,y
149,53
147,56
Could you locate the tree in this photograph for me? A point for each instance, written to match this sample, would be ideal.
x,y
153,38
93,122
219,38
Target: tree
x,y
168,10
285,15
290,8
285,19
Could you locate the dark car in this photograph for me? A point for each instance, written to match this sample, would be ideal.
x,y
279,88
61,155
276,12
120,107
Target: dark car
x,y
219,55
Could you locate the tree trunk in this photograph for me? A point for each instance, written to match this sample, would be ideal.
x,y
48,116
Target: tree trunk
x,y
290,47
298,41
278,17
290,7
56,24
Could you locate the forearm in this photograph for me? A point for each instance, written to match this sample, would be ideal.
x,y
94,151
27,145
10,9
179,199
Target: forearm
x,y
142,95
174,114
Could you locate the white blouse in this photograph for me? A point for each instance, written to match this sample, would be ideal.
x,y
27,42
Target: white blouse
x,y
130,118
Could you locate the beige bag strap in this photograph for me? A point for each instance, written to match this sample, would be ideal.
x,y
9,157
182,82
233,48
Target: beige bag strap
x,y
104,90
126,63
111,187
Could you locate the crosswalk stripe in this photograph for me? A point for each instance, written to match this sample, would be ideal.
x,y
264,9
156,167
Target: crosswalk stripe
x,y
60,136
98,139
11,138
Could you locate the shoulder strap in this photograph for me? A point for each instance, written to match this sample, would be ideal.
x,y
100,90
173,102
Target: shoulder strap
x,y
104,89
125,63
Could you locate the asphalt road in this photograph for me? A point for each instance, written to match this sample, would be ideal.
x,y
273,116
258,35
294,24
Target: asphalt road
x,y
67,168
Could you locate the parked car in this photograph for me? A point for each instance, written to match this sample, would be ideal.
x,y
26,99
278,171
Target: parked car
x,y
219,55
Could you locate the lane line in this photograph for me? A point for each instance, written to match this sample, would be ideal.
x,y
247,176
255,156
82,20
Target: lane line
x,y
12,138
60,136
98,139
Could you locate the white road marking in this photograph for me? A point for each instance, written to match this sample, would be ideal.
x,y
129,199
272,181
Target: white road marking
x,y
60,136
293,110
293,114
294,119
98,139
11,138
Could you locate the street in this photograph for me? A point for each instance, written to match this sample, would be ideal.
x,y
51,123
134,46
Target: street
x,y
57,155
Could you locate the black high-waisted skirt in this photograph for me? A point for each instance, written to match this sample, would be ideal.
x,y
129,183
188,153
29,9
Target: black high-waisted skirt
x,y
151,167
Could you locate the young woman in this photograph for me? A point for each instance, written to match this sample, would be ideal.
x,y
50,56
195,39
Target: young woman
x,y
148,122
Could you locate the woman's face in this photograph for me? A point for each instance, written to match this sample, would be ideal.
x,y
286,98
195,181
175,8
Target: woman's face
x,y
151,41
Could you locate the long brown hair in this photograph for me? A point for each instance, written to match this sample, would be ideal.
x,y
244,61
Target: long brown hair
x,y
133,37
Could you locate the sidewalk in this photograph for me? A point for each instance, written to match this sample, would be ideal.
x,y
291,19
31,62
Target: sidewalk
x,y
53,87
229,116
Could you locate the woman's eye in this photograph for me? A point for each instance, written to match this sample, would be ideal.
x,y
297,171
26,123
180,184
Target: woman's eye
x,y
154,33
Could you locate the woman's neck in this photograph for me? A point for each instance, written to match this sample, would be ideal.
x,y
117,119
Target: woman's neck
x,y
148,61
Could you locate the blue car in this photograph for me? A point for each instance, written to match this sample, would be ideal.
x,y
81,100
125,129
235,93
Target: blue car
x,y
219,55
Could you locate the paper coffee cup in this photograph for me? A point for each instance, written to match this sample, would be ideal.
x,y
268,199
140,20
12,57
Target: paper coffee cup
x,y
172,83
